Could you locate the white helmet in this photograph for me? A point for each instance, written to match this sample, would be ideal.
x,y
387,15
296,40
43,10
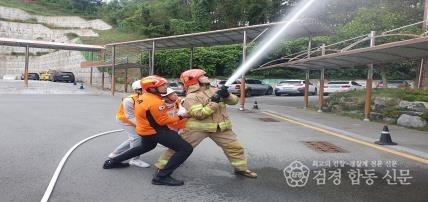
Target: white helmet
x,y
136,85
168,91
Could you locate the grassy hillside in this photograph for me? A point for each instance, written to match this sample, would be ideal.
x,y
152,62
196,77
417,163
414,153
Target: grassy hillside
x,y
110,36
38,8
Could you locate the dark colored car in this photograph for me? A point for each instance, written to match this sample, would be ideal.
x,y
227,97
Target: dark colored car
x,y
31,76
63,76
177,87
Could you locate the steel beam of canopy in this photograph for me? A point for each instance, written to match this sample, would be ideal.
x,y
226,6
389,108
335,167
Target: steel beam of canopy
x,y
149,52
321,88
126,76
103,69
244,57
92,69
306,97
113,70
152,67
48,45
27,58
102,79
369,82
191,58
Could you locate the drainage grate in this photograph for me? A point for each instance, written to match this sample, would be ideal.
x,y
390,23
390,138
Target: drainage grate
x,y
268,120
323,146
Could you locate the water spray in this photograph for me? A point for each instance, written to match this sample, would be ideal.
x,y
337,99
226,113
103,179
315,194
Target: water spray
x,y
268,43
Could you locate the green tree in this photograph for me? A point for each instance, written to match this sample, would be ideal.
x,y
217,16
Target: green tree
x,y
201,15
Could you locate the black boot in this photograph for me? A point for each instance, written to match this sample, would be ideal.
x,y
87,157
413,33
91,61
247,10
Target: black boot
x,y
108,164
167,180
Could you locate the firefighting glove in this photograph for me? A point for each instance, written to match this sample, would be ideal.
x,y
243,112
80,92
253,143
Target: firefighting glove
x,y
223,92
181,111
216,98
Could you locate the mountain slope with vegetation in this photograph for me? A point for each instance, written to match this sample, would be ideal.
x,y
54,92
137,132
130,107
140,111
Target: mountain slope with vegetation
x,y
138,19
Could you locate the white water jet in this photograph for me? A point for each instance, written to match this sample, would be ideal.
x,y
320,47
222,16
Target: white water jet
x,y
268,42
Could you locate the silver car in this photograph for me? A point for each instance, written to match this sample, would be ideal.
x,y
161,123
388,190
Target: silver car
x,y
252,87
294,87
177,87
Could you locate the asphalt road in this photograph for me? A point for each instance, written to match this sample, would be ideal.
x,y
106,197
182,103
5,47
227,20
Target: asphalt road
x,y
37,130
285,101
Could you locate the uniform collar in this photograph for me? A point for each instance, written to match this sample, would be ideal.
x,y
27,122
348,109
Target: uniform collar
x,y
193,88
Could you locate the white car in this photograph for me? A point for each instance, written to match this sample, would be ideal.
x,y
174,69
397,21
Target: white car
x,y
11,77
341,86
293,87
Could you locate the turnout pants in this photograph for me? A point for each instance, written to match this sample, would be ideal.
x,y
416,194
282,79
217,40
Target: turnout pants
x,y
227,140
167,138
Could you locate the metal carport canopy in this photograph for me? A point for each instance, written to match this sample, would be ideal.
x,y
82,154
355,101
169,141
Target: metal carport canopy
x,y
48,45
385,53
300,28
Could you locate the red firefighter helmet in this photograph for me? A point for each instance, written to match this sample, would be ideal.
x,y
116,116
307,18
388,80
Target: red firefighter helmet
x,y
152,82
190,77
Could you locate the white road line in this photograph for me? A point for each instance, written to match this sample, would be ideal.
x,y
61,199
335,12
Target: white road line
x,y
64,159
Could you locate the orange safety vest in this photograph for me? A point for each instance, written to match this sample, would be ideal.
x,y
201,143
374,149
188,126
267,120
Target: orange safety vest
x,y
152,115
120,114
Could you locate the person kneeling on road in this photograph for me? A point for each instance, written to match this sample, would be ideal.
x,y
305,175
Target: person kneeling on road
x,y
152,120
206,107
125,116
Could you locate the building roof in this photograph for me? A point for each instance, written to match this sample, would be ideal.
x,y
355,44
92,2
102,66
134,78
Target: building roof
x,y
385,53
306,27
48,45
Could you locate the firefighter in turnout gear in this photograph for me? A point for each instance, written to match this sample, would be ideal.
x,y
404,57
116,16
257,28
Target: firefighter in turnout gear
x,y
206,107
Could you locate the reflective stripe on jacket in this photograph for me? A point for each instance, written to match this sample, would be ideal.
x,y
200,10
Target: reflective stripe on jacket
x,y
207,116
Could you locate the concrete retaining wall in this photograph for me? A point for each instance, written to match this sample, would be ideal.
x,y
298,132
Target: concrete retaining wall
x,y
36,32
57,21
59,60
12,58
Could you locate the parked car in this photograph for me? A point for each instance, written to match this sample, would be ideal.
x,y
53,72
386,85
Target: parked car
x,y
45,75
394,84
294,87
31,76
63,76
178,87
252,87
363,83
220,83
11,77
341,86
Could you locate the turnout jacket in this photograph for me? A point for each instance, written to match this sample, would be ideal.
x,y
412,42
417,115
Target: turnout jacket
x,y
207,116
